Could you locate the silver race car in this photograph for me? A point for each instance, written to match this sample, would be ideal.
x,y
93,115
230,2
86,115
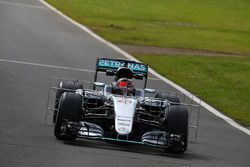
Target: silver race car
x,y
119,111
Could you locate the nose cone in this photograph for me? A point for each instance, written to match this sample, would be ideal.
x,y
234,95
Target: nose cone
x,y
124,114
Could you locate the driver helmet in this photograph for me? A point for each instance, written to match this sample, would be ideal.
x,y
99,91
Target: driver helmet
x,y
124,84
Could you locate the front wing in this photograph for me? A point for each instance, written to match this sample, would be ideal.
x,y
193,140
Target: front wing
x,y
88,130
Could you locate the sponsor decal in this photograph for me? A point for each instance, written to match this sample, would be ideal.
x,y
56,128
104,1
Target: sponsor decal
x,y
122,129
111,63
125,120
124,100
123,124
137,67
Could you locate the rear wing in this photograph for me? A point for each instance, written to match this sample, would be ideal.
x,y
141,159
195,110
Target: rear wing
x,y
111,65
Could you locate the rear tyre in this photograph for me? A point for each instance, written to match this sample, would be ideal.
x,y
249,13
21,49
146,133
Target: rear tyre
x,y
70,106
171,98
177,123
71,86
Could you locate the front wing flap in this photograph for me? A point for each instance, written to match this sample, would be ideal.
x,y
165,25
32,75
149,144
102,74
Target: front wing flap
x,y
88,130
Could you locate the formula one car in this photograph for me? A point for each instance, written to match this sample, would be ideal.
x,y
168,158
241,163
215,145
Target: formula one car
x,y
118,111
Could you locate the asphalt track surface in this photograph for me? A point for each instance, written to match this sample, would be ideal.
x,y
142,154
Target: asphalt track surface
x,y
35,44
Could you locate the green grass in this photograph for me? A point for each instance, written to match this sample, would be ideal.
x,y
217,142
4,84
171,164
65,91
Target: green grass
x,y
223,82
206,25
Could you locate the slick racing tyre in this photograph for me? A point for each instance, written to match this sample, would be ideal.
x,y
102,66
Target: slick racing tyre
x,y
64,86
70,106
177,123
172,98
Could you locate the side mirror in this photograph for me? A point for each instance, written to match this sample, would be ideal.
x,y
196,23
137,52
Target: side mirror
x,y
99,84
110,73
147,90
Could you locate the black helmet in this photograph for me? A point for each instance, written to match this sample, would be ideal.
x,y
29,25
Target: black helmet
x,y
123,72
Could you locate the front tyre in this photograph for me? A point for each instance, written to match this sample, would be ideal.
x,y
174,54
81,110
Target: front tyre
x,y
70,107
64,86
177,123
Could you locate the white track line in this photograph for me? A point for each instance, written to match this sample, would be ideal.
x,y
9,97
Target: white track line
x,y
22,4
45,65
182,90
